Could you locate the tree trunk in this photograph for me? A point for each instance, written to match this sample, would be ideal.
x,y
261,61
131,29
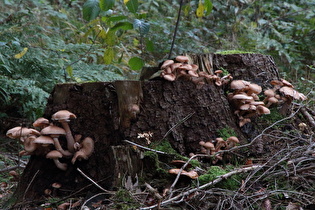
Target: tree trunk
x,y
111,112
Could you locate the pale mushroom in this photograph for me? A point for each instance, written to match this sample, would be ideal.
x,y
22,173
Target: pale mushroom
x,y
55,132
55,155
87,148
232,141
41,123
191,174
64,116
182,59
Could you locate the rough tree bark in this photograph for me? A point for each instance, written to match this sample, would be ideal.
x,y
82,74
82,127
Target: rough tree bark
x,y
186,113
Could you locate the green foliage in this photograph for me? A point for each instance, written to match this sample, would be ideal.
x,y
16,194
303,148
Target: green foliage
x,y
124,200
226,132
214,172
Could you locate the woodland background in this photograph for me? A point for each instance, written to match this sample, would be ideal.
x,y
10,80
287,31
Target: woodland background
x,y
45,42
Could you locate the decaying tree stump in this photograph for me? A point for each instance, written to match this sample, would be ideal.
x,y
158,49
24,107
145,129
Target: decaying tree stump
x,y
111,112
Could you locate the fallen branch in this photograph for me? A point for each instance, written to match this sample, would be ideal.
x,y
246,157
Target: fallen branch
x,y
222,177
308,117
91,180
180,171
143,147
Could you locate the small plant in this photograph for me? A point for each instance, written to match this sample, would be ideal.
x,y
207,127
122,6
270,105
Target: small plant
x,y
226,132
214,172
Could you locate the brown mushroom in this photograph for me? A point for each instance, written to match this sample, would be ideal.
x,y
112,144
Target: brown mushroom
x,y
210,149
182,59
167,63
55,155
232,141
41,123
55,132
64,116
191,174
87,148
220,143
21,133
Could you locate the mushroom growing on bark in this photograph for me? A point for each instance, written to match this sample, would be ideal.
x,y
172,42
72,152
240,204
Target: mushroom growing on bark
x,y
64,116
55,155
87,148
55,132
41,123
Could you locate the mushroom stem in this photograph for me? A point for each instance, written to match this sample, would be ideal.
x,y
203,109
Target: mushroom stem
x,y
62,166
58,147
70,139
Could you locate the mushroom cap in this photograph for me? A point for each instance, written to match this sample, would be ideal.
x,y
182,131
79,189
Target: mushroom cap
x,y
53,130
262,110
273,100
269,93
180,163
182,58
242,97
63,115
170,77
288,91
218,72
192,174
41,122
286,83
254,88
56,185
44,140
54,154
208,145
256,103
167,63
239,84
18,132
233,139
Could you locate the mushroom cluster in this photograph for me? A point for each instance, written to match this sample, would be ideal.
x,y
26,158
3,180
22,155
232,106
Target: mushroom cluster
x,y
211,147
46,140
282,92
245,101
179,68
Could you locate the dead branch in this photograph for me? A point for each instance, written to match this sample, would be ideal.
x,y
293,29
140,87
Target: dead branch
x,y
308,117
225,176
91,180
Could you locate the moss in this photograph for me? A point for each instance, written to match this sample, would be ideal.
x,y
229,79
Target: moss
x,y
164,146
226,132
124,200
214,172
228,52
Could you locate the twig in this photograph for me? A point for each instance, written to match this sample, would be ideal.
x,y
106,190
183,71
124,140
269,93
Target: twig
x,y
180,171
11,168
261,134
83,205
176,27
143,147
91,180
225,176
308,116
28,186
177,124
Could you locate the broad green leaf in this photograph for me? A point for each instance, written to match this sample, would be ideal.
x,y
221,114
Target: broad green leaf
x,y
208,6
117,18
149,45
142,26
122,25
132,5
91,9
109,55
200,10
21,54
106,4
136,63
110,38
69,70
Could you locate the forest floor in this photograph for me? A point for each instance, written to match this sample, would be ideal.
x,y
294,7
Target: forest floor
x,y
274,171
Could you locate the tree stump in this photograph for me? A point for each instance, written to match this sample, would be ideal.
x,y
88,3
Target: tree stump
x,y
110,112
